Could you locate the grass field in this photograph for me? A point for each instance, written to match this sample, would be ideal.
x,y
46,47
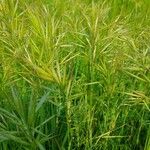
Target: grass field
x,y
75,75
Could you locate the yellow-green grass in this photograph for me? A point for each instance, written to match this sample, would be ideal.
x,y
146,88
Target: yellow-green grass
x,y
75,75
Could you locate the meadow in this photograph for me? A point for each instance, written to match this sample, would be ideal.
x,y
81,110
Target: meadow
x,y
74,75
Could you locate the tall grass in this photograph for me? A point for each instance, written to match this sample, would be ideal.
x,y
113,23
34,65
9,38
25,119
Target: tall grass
x,y
75,75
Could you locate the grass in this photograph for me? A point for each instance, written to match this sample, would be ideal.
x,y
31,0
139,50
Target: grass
x,y
75,75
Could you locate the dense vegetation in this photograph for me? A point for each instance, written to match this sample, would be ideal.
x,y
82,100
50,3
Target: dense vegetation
x,y
75,75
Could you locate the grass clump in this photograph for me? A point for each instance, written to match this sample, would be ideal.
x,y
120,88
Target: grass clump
x,y
75,74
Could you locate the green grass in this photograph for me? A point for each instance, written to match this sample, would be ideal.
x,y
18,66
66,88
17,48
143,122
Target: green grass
x,y
75,75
